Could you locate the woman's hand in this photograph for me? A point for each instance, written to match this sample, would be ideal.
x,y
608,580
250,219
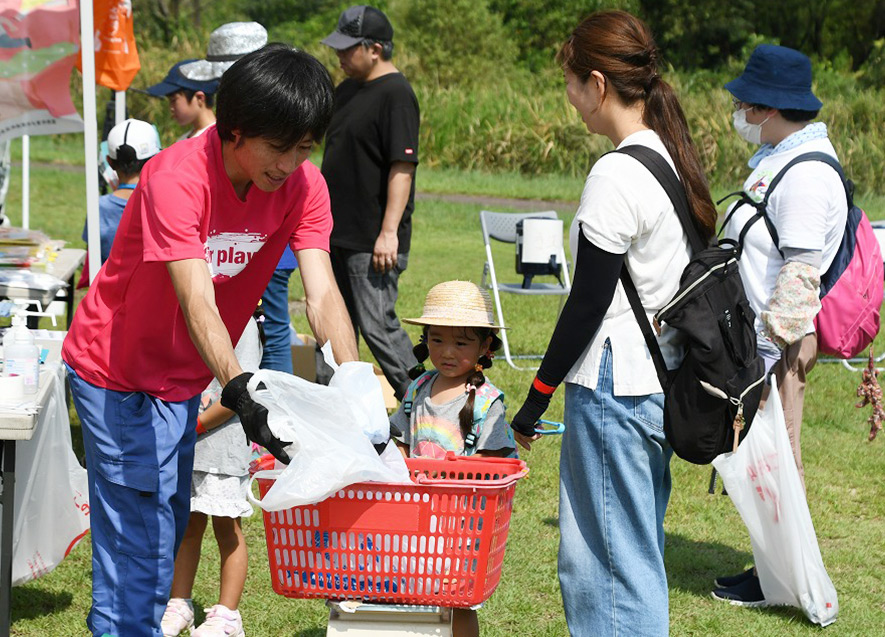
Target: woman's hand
x,y
526,419
525,441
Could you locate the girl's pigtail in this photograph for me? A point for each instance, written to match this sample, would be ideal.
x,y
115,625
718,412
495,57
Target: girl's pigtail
x,y
476,380
421,353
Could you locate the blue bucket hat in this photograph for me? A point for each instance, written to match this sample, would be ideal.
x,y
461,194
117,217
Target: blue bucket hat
x,y
778,77
176,81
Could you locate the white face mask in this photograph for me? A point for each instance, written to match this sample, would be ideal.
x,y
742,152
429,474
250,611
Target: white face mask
x,y
750,132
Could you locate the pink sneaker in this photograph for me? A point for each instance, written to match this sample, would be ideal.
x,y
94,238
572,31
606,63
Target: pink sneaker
x,y
221,622
178,617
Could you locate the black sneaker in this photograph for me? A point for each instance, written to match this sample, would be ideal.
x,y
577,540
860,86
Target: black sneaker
x,y
748,593
728,581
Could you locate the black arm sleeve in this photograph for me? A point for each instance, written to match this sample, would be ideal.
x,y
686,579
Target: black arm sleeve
x,y
593,287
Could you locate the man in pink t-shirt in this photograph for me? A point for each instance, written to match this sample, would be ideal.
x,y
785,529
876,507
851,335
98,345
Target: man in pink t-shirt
x,y
197,244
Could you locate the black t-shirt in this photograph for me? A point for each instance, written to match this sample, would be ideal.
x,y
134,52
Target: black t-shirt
x,y
374,124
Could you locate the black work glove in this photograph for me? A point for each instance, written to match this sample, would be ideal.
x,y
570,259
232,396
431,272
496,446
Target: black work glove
x,y
253,416
532,409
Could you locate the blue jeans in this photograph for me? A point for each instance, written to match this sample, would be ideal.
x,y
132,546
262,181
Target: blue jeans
x,y
275,301
614,487
139,461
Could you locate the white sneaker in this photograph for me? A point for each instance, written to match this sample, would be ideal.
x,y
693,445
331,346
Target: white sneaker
x,y
178,617
221,622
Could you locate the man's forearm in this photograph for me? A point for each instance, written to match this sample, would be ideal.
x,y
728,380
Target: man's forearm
x,y
325,308
330,321
196,296
399,187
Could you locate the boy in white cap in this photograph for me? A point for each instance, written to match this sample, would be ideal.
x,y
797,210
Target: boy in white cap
x,y
130,145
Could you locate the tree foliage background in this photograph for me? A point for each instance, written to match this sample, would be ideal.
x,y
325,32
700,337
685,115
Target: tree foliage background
x,y
492,95
693,34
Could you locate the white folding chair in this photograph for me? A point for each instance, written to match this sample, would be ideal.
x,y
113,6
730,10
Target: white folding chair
x,y
501,226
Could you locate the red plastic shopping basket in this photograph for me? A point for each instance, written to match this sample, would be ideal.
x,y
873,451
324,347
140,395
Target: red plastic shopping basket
x,y
439,541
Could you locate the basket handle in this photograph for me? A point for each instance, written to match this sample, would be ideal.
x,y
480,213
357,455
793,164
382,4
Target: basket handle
x,y
489,484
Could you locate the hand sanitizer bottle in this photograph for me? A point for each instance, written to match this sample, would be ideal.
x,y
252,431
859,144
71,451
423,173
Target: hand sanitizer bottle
x,y
20,355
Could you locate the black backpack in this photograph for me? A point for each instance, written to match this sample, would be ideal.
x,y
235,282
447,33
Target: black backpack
x,y
711,398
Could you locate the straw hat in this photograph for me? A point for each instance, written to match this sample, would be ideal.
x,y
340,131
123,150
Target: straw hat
x,y
457,304
227,44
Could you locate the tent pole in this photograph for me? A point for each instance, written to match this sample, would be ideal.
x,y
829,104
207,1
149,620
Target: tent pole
x,y
120,106
26,181
90,135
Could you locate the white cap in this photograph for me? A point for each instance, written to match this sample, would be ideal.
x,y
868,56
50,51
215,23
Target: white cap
x,y
140,136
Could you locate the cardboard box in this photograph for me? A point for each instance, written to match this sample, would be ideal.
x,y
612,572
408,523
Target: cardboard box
x,y
304,365
304,358
390,401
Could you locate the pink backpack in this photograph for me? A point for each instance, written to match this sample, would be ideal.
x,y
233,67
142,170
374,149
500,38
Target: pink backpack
x,y
851,289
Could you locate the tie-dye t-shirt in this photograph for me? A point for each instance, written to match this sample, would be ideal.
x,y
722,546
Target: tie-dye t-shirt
x,y
434,428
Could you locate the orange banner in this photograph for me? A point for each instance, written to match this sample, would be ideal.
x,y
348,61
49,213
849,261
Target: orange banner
x,y
116,58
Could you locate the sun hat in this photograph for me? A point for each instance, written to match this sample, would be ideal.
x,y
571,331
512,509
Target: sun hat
x,y
227,44
456,304
175,81
133,139
357,24
778,77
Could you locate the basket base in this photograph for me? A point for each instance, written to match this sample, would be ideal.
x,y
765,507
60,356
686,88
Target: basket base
x,y
355,619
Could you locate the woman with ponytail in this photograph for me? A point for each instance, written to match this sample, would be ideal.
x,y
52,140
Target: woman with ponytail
x,y
454,407
614,464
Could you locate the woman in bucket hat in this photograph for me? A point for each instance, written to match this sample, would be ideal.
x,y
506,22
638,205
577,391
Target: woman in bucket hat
x,y
454,407
774,110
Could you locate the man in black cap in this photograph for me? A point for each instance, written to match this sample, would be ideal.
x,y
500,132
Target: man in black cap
x,y
369,165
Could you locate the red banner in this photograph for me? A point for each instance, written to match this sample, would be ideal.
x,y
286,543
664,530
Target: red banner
x,y
39,43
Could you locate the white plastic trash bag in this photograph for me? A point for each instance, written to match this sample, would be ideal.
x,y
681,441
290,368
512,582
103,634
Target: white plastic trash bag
x,y
329,450
763,482
358,382
51,491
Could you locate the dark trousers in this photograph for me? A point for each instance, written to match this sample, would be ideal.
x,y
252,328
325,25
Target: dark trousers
x,y
370,297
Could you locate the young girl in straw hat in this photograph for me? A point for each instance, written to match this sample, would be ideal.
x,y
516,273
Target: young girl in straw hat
x,y
454,407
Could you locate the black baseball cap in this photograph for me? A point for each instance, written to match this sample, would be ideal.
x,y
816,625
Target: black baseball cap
x,y
357,24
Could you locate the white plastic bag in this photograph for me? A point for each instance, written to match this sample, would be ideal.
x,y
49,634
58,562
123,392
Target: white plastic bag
x,y
329,450
51,492
358,382
763,482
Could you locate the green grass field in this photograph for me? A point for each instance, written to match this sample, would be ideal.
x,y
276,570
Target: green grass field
x,y
705,536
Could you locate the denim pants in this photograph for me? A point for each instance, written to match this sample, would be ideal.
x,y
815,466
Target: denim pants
x,y
275,301
370,297
139,461
614,487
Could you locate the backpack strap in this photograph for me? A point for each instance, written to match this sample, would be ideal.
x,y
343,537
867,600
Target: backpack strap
x,y
486,394
658,166
661,170
762,206
412,391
